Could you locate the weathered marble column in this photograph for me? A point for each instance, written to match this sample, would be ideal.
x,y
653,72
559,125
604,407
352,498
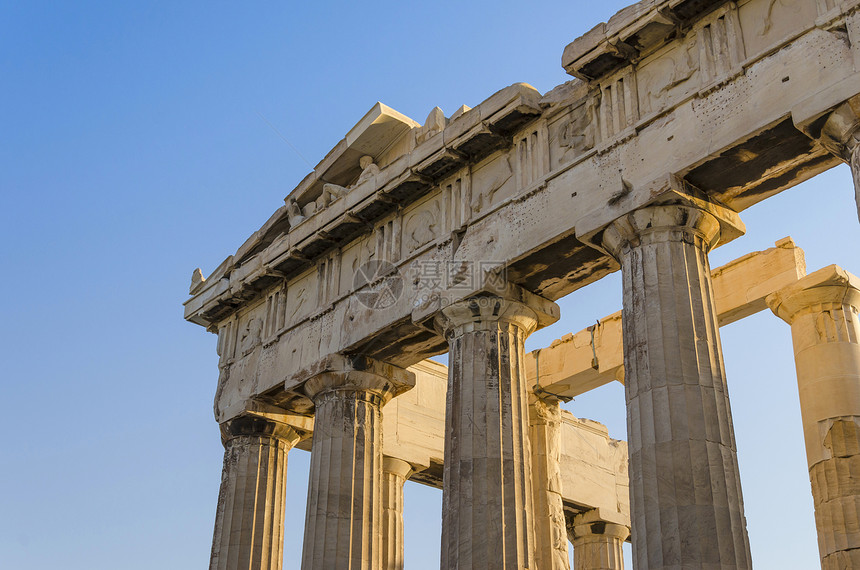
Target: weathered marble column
x,y
487,516
343,524
822,311
854,162
597,543
545,439
685,492
395,472
840,134
249,521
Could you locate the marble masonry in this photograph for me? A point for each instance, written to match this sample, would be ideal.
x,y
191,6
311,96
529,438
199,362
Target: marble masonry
x,y
456,236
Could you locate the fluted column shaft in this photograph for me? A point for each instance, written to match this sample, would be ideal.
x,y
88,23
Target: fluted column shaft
x,y
545,438
487,518
822,310
249,521
597,544
343,522
855,174
685,492
395,472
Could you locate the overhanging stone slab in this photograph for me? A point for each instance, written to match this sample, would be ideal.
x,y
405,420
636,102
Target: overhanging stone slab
x,y
586,360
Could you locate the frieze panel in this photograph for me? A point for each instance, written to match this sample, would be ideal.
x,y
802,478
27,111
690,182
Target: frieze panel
x,y
492,182
576,133
825,6
423,223
766,22
668,76
302,297
237,379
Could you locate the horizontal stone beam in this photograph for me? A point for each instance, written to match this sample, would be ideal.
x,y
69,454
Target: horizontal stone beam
x,y
580,362
518,184
593,465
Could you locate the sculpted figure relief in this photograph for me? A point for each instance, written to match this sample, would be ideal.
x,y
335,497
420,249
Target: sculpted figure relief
x,y
330,193
421,226
768,18
300,299
484,196
369,170
250,336
663,75
579,135
294,213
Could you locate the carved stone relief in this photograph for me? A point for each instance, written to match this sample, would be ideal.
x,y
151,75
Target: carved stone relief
x,y
666,78
301,297
766,22
237,378
250,336
492,182
825,6
331,193
575,133
433,125
422,225
352,256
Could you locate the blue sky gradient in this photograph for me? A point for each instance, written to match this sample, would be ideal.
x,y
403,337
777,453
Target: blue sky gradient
x,y
137,144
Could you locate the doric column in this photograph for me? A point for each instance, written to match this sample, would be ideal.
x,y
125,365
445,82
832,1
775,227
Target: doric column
x,y
487,518
545,439
685,492
822,311
395,472
840,134
249,521
597,543
343,524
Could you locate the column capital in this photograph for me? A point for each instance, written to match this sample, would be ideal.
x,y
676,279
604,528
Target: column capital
x,y
514,306
397,466
261,425
544,408
831,285
596,523
674,210
596,541
350,373
840,133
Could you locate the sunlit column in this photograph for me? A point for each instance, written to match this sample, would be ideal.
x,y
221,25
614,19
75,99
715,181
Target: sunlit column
x,y
822,311
249,521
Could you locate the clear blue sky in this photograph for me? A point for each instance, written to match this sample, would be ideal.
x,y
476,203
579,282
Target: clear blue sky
x,y
132,150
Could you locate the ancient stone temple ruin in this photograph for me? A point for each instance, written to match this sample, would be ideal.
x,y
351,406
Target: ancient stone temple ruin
x,y
457,235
